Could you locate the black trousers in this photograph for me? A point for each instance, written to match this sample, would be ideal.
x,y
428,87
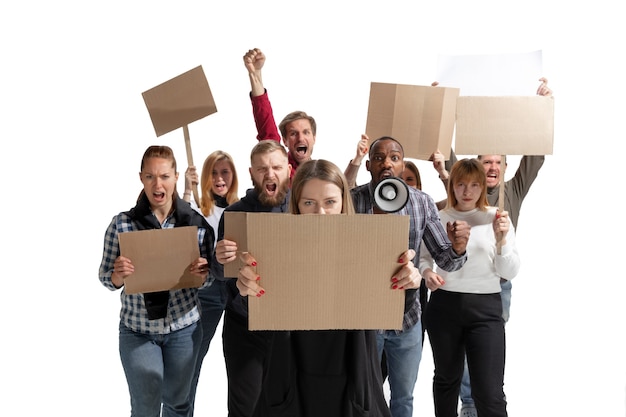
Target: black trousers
x,y
301,374
460,324
248,355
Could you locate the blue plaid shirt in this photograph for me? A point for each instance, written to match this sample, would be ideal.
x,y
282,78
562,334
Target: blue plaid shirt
x,y
424,225
181,311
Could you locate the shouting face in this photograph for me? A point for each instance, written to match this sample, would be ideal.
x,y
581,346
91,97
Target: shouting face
x,y
386,160
222,178
492,165
159,182
299,139
270,176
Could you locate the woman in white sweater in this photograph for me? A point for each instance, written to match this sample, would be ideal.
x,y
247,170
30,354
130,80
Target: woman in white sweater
x,y
464,314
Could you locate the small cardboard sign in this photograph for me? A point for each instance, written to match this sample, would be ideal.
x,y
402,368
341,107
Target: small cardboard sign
x,y
322,271
421,118
179,101
514,125
161,258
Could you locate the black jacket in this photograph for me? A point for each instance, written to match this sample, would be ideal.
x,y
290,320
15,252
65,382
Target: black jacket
x,y
156,302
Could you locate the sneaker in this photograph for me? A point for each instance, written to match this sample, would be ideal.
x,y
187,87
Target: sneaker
x,y
468,411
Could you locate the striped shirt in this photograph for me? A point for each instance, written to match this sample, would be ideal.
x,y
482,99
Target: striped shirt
x,y
426,226
181,311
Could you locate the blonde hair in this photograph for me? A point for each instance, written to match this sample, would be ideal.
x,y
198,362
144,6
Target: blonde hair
x,y
207,199
323,170
267,146
468,169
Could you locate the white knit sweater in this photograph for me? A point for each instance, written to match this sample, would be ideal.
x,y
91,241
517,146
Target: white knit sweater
x,y
482,272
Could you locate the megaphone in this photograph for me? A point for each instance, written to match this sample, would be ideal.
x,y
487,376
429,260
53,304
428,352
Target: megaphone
x,y
391,194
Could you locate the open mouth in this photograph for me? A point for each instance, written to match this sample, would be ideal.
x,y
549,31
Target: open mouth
x,y
302,150
270,188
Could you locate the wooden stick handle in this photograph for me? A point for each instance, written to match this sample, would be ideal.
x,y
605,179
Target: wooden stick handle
x,y
190,160
501,194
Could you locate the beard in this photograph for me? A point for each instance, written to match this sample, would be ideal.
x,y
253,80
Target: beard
x,y
272,201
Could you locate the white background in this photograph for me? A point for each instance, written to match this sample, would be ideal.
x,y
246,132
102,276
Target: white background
x,y
74,127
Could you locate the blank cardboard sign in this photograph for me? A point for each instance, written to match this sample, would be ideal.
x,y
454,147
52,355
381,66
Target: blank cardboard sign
x,y
179,101
322,271
514,125
507,74
421,118
161,258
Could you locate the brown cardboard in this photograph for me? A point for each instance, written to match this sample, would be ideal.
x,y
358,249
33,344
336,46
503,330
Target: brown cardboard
x,y
513,125
322,271
179,101
161,258
421,118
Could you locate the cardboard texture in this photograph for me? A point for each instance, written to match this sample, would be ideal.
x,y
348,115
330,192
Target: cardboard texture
x,y
515,125
179,101
161,258
322,271
421,118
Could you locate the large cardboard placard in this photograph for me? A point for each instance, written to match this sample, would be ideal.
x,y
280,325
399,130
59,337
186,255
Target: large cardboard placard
x,y
322,271
161,258
421,118
180,101
515,125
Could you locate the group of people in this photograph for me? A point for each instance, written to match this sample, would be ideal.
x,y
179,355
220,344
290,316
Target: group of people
x,y
459,255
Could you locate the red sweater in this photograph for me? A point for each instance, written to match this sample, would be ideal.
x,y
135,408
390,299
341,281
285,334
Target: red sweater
x,y
266,125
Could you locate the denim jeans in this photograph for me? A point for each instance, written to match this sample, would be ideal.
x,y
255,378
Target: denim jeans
x,y
212,301
404,353
159,369
466,389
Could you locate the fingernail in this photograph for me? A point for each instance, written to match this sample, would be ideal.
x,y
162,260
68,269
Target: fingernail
x,y
258,278
394,279
395,287
262,292
400,260
253,264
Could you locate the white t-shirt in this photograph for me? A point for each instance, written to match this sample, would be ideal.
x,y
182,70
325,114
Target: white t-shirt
x,y
213,218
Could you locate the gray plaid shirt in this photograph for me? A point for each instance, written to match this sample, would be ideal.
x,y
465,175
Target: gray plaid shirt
x,y
424,225
182,310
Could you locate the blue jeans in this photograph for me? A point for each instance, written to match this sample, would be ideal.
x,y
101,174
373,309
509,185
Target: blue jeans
x,y
212,301
466,389
404,353
159,369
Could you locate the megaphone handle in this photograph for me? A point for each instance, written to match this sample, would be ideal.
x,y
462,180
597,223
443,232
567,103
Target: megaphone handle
x,y
190,160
